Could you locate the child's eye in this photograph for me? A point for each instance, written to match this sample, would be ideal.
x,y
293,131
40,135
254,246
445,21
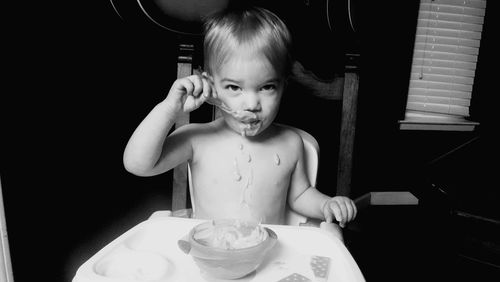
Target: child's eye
x,y
269,87
232,87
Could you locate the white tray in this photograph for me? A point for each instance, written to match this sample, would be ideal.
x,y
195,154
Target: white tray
x,y
149,252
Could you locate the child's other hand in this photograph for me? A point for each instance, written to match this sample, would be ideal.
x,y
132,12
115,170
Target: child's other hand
x,y
340,207
189,93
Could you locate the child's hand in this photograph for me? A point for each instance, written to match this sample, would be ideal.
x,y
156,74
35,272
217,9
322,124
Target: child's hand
x,y
189,93
340,207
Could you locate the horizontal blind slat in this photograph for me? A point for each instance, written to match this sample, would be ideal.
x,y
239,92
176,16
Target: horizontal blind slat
x,y
425,23
439,92
447,40
445,63
478,4
432,15
444,56
442,78
417,83
426,31
433,47
439,100
451,9
439,108
432,116
442,71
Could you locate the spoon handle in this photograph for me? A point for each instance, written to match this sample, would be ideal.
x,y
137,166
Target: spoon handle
x,y
240,115
218,103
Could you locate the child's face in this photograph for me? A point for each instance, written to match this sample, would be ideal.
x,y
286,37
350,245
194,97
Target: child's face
x,y
248,82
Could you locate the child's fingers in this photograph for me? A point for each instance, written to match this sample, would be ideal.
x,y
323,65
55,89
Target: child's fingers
x,y
207,89
335,209
339,210
326,212
214,91
211,83
192,85
198,84
351,210
343,210
348,209
183,86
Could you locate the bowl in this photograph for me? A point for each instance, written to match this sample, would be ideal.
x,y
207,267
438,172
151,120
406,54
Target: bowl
x,y
228,248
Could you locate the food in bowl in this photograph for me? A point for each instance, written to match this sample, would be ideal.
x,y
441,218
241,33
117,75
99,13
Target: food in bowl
x,y
229,248
230,235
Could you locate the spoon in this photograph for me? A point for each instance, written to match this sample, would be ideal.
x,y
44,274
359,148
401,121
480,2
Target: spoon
x,y
241,115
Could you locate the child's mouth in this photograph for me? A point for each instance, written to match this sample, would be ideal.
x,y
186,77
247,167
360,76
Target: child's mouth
x,y
251,123
250,127
244,116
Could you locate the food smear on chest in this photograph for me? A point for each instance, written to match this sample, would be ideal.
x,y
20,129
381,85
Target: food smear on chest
x,y
244,166
277,159
236,173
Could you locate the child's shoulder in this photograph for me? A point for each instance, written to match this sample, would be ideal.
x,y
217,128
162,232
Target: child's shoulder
x,y
287,128
289,132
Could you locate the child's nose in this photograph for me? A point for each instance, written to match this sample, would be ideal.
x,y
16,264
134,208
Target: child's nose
x,y
252,102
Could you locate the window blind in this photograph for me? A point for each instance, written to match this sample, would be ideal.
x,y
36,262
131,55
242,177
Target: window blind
x,y
444,61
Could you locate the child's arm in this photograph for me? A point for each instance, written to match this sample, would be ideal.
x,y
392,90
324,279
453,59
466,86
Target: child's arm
x,y
313,203
310,202
149,151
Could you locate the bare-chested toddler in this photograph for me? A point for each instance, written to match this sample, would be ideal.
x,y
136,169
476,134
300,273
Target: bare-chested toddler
x,y
242,164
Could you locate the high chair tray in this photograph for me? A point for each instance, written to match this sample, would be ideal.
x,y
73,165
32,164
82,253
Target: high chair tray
x,y
149,252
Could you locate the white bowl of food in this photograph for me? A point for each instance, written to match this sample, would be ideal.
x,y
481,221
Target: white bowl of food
x,y
228,248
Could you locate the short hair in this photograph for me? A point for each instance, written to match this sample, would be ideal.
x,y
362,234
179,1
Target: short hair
x,y
256,28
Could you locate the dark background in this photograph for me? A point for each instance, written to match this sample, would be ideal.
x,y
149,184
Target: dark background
x,y
79,80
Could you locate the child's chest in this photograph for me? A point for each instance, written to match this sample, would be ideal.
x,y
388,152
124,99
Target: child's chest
x,y
243,164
